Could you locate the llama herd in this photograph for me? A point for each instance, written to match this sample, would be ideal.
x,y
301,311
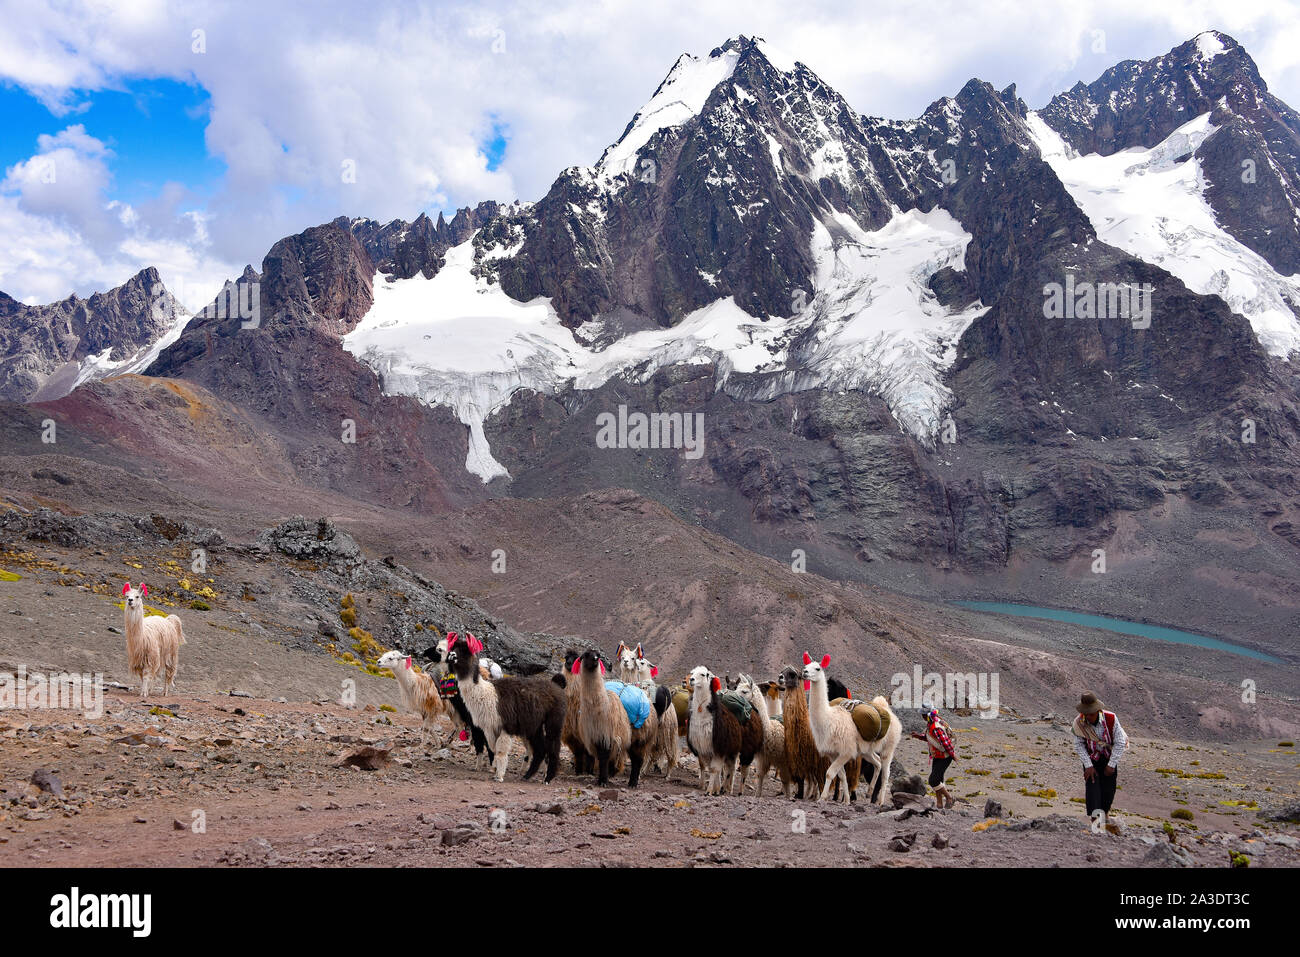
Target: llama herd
x,y
803,726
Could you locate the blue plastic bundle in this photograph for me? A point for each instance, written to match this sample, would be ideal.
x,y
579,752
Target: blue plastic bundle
x,y
635,701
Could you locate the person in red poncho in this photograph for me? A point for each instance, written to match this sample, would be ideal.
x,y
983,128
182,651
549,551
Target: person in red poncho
x,y
942,753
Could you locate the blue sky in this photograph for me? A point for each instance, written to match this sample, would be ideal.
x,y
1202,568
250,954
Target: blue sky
x,y
192,135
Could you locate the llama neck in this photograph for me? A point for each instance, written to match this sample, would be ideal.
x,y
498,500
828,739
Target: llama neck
x,y
405,678
591,684
134,626
756,699
796,709
479,695
818,703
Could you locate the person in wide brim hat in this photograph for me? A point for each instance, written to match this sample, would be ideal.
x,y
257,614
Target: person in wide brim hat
x,y
1099,741
1089,703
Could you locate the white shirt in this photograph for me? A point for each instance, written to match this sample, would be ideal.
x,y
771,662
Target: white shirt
x,y
1117,746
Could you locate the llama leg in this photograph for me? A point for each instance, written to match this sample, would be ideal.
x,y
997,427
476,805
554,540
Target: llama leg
x,y
552,757
602,764
887,764
634,776
538,744
874,760
832,774
502,756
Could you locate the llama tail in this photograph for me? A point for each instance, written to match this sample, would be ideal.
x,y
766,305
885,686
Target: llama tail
x,y
180,629
663,700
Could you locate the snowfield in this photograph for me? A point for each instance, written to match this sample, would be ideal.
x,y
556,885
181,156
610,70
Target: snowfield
x,y
870,323
1151,204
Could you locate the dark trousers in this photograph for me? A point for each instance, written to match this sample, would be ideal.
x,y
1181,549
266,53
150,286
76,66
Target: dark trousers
x,y
1100,791
938,767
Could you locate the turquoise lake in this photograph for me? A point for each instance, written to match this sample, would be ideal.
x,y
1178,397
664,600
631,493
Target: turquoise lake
x,y
1117,625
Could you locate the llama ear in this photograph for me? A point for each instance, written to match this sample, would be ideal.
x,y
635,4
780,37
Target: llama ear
x,y
807,658
618,652
577,665
451,639
602,665
408,662
126,588
654,672
826,661
144,589
475,646
639,652
715,684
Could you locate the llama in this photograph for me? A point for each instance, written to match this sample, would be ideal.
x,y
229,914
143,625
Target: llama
x,y
569,737
153,643
838,735
727,739
603,723
584,761
699,720
531,708
419,692
627,663
771,692
462,725
751,739
635,668
666,746
806,765
773,754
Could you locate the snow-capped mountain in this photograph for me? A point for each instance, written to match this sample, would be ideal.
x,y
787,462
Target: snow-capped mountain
x,y
842,296
805,273
47,351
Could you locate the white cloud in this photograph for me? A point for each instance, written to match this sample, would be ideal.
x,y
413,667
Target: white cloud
x,y
63,234
406,94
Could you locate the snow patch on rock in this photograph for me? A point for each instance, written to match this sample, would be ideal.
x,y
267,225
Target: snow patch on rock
x,y
1151,204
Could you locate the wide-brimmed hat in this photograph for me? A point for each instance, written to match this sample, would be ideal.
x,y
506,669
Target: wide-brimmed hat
x,y
1090,703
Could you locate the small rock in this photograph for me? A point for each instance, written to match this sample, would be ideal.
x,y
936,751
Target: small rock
x,y
992,808
454,837
47,780
940,841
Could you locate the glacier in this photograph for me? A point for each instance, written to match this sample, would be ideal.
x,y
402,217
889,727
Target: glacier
x,y
869,323
1151,204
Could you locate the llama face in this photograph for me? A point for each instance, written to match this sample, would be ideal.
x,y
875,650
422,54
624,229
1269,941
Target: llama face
x,y
394,660
590,661
645,671
462,662
699,679
133,599
814,670
787,679
627,662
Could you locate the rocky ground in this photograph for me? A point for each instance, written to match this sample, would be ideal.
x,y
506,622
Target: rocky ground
x,y
215,780
250,742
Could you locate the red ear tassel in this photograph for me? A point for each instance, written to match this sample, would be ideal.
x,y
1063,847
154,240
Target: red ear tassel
x,y
807,658
577,665
715,684
144,589
126,588
654,672
451,639
826,660
408,662
602,666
